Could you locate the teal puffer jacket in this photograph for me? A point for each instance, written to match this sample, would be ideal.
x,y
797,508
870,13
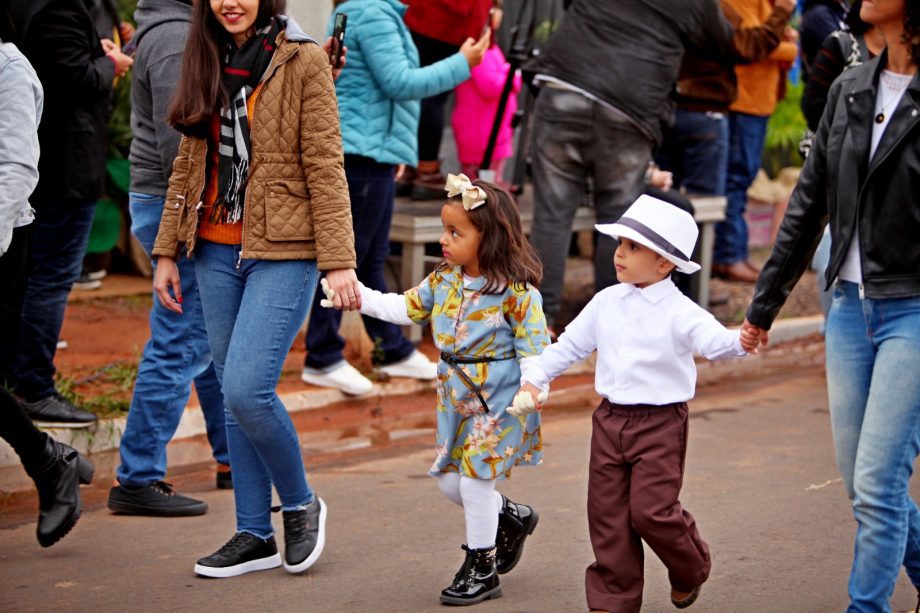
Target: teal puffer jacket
x,y
381,86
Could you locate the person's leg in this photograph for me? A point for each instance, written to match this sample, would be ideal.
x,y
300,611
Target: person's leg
x,y
620,155
481,506
561,132
613,582
176,353
211,399
60,234
889,443
18,430
746,139
657,455
13,275
705,154
449,484
372,213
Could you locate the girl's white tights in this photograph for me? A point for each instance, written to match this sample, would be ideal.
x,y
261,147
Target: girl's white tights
x,y
481,506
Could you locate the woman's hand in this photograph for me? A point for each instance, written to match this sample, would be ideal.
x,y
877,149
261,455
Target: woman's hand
x,y
475,50
167,276
344,283
122,62
327,46
752,336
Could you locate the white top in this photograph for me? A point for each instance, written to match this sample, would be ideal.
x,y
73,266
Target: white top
x,y
891,89
390,307
645,341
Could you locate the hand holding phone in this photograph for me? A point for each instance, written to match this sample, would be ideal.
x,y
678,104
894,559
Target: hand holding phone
x,y
338,40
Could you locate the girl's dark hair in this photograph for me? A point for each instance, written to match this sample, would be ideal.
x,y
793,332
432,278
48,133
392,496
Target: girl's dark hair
x,y
505,254
854,23
7,29
911,36
200,93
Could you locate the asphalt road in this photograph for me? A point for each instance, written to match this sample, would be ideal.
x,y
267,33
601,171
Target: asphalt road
x,y
760,481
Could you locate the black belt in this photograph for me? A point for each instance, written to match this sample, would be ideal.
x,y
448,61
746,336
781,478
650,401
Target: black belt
x,y
454,360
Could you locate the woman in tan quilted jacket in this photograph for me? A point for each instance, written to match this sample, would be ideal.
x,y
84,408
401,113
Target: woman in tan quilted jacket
x,y
258,198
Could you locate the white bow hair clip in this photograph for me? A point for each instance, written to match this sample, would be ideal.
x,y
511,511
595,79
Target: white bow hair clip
x,y
473,195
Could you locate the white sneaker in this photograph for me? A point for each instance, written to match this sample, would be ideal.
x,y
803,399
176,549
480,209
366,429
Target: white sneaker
x,y
344,377
416,366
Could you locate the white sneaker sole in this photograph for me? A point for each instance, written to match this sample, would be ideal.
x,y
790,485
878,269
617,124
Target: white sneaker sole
x,y
323,381
240,569
318,550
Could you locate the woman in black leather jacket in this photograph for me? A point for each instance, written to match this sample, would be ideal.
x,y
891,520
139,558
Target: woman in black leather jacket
x,y
863,177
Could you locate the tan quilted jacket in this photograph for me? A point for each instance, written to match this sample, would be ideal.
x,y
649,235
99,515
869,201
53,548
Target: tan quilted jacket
x,y
297,205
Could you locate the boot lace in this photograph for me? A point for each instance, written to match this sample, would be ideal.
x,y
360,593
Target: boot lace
x,y
162,487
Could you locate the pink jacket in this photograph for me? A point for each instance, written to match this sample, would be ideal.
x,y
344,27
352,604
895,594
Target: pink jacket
x,y
476,101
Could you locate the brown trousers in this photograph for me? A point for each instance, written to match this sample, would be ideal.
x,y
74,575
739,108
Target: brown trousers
x,y
636,471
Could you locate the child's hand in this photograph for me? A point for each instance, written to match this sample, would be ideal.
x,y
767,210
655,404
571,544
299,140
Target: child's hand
x,y
524,403
330,295
752,336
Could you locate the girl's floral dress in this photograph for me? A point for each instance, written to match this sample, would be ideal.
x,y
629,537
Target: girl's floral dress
x,y
467,323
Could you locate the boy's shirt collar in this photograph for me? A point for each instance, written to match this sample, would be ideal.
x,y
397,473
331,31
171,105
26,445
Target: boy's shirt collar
x,y
655,292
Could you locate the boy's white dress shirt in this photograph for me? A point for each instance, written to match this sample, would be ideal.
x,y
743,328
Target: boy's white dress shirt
x,y
645,340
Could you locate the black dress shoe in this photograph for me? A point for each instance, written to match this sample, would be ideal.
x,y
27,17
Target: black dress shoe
x,y
477,579
58,412
156,499
58,483
244,553
515,523
304,536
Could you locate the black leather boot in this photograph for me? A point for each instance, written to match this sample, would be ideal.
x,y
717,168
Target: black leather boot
x,y
515,523
58,482
477,579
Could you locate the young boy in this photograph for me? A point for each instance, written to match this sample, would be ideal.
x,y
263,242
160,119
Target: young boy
x,y
645,333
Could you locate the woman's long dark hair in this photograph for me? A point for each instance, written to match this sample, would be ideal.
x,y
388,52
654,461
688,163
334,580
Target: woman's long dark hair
x,y
855,24
200,94
912,29
506,257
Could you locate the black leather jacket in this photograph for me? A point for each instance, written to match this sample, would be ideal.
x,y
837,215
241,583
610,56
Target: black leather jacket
x,y
841,184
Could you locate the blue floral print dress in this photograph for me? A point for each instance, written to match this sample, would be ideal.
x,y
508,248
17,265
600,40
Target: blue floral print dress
x,y
469,324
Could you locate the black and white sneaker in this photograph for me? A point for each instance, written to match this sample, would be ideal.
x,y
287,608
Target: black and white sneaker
x,y
304,536
55,411
244,553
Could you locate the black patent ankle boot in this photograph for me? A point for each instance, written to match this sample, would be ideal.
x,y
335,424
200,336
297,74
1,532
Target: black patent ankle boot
x,y
58,482
515,523
477,579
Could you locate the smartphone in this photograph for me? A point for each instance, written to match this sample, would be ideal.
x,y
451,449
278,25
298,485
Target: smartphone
x,y
338,40
130,49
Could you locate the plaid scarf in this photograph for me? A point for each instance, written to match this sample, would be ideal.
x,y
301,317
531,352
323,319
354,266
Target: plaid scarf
x,y
242,70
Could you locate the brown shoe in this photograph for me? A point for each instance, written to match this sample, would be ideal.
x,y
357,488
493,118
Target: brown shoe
x,y
752,266
736,271
682,600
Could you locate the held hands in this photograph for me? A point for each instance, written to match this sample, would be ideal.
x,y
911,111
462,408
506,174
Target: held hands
x,y
475,50
166,277
342,290
122,62
524,403
752,336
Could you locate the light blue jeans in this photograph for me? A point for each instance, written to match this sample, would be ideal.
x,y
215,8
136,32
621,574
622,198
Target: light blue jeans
x,y
873,380
252,313
176,354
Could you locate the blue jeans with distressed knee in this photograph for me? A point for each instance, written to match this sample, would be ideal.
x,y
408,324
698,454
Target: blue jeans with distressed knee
x,y
873,362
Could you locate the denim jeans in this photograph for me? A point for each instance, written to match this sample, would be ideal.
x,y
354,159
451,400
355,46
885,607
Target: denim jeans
x,y
252,313
60,234
873,358
577,141
176,355
746,135
371,186
695,149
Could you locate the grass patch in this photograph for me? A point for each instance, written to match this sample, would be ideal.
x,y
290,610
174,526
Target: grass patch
x,y
105,392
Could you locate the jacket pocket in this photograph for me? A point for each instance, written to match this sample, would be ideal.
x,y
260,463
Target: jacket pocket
x,y
288,215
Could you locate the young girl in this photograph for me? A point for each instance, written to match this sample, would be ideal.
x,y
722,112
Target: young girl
x,y
258,198
475,106
485,315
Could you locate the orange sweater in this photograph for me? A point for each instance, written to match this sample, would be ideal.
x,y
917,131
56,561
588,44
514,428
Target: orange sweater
x,y
758,83
217,232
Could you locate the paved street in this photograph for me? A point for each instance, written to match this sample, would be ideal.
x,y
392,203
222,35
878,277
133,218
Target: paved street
x,y
761,482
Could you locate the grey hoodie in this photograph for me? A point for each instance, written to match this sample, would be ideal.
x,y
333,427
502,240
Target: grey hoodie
x,y
162,27
20,111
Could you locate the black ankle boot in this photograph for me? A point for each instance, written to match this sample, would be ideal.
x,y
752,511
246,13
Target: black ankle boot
x,y
58,482
477,579
515,523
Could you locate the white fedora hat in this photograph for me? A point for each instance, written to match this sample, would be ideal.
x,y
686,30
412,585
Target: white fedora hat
x,y
660,226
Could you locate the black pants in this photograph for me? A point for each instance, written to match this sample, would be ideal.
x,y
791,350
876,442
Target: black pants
x,y
431,120
13,277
